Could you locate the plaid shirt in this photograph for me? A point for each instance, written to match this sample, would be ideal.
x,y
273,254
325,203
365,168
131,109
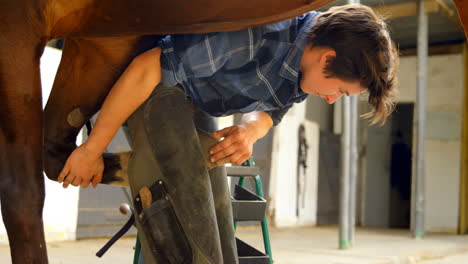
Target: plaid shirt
x,y
256,69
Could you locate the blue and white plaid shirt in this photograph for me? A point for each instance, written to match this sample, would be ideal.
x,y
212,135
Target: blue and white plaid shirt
x,y
256,69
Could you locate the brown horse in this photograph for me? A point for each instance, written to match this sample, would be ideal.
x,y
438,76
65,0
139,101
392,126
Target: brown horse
x,y
101,39
462,7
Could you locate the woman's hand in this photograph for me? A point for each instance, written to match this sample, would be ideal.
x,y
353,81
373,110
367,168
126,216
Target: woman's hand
x,y
82,167
236,147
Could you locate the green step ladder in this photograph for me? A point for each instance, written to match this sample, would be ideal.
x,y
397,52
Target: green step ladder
x,y
248,170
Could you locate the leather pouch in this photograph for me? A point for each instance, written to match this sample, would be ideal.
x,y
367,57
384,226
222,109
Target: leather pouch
x,y
167,240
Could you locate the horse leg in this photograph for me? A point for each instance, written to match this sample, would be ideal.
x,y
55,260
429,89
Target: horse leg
x,y
88,69
21,179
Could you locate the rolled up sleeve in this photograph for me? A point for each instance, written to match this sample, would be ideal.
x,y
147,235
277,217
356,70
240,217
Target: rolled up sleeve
x,y
277,115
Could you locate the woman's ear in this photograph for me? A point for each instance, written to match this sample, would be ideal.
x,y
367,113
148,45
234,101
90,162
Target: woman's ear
x,y
327,55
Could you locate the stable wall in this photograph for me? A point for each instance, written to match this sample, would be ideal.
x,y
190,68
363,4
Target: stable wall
x,y
444,111
443,127
284,200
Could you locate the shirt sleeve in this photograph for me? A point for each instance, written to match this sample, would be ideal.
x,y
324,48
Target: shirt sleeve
x,y
277,115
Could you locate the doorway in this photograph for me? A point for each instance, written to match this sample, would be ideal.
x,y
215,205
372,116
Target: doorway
x,y
388,179
401,166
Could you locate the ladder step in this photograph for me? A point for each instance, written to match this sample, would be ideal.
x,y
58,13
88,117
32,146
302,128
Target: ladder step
x,y
250,255
237,171
247,206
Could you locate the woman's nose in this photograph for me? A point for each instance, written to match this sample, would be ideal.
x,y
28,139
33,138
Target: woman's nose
x,y
332,98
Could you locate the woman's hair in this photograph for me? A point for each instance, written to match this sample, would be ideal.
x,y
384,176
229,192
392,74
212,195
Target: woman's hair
x,y
364,52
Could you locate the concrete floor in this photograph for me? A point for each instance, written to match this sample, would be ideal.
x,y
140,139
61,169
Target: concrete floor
x,y
295,246
379,246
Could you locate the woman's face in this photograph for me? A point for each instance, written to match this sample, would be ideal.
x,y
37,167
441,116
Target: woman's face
x,y
314,81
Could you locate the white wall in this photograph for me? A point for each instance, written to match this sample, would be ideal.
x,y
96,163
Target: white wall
x,y
61,205
284,170
443,145
308,214
377,187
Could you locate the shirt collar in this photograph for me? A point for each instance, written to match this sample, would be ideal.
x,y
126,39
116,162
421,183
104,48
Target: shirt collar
x,y
290,66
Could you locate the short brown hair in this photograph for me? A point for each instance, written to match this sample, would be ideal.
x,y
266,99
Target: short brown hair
x,y
364,52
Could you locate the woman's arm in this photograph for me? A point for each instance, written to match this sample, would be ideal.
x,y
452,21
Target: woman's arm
x,y
130,91
237,145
